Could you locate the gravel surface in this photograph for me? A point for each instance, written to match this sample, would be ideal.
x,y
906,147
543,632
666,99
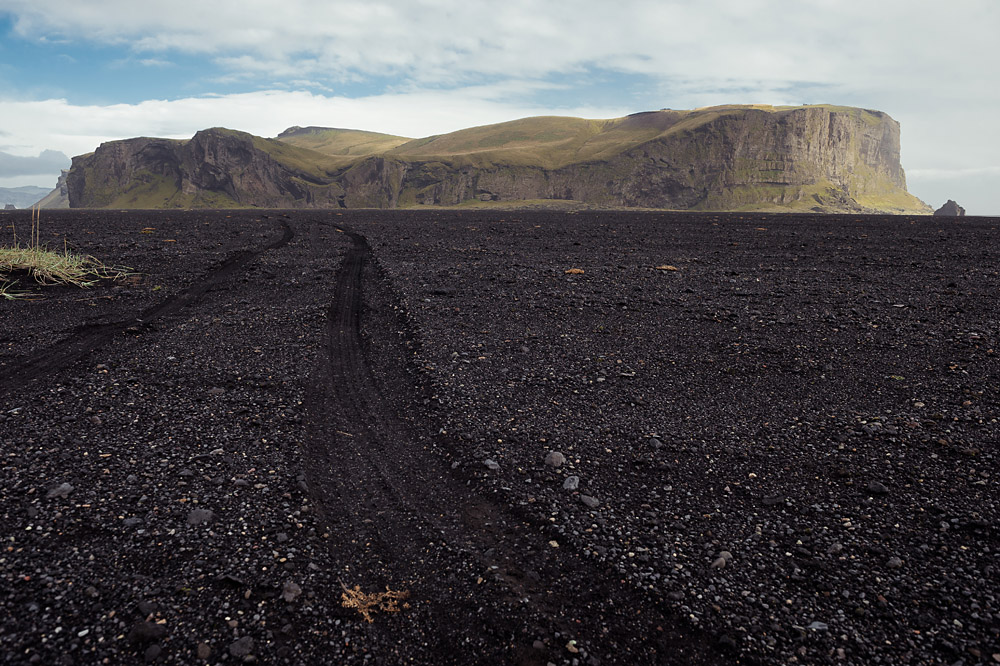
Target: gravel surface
x,y
600,437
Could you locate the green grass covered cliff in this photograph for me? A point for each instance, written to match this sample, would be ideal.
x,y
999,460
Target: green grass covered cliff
x,y
815,158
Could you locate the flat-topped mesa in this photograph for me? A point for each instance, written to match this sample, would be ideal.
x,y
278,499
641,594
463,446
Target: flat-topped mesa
x,y
815,158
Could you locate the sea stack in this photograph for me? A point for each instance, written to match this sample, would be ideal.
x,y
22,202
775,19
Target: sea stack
x,y
950,209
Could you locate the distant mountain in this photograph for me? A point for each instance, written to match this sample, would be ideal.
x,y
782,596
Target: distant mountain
x,y
21,197
815,158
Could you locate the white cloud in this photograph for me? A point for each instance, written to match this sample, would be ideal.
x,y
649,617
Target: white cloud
x,y
883,42
76,129
931,65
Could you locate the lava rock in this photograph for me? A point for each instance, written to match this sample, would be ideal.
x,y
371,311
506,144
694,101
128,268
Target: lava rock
x,y
950,209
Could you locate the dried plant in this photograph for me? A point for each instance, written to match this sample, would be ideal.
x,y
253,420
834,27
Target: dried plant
x,y
366,604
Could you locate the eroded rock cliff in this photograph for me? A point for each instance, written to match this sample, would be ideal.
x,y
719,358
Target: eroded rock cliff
x,y
821,158
217,168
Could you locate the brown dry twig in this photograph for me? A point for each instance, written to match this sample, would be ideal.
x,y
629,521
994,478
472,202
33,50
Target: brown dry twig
x,y
366,604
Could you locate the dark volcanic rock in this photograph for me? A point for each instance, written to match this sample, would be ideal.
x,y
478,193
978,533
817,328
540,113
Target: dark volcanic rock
x,y
950,209
814,395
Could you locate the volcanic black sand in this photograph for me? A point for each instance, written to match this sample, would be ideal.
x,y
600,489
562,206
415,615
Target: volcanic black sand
x,y
778,440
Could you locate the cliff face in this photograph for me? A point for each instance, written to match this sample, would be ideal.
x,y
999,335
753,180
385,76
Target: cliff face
x,y
829,159
811,158
216,168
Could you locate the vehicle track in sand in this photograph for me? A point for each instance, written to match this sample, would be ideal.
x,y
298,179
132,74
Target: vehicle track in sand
x,y
401,519
88,338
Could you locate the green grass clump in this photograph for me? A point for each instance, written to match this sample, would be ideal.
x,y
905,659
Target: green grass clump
x,y
48,267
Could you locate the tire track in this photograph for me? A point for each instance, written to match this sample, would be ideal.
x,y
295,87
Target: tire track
x,y
89,338
398,516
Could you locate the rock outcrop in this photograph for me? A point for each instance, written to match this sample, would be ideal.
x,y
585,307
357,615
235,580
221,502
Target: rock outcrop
x,y
825,159
218,168
950,209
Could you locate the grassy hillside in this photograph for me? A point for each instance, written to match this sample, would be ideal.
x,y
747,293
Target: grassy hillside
x,y
548,141
346,144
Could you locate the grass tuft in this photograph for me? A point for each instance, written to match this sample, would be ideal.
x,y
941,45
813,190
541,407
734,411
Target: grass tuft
x,y
49,267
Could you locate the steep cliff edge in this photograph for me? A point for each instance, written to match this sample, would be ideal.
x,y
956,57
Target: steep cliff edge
x,y
217,168
818,158
830,159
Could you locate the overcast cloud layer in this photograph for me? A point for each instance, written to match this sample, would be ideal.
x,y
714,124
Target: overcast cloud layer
x,y
418,67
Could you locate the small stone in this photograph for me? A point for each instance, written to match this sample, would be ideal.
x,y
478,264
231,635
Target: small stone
x,y
538,645
290,591
894,563
281,537
241,647
216,391
203,650
590,501
146,632
835,549
555,459
96,420
727,643
152,653
491,464
62,490
571,482
199,516
554,544
877,488
146,608
230,579
719,563
818,626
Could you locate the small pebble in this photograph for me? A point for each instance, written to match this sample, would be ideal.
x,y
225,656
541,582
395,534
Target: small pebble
x,y
554,459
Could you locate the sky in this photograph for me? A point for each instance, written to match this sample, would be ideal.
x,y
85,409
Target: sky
x,y
74,73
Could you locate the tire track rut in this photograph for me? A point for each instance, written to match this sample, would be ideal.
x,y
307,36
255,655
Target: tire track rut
x,y
90,338
399,518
